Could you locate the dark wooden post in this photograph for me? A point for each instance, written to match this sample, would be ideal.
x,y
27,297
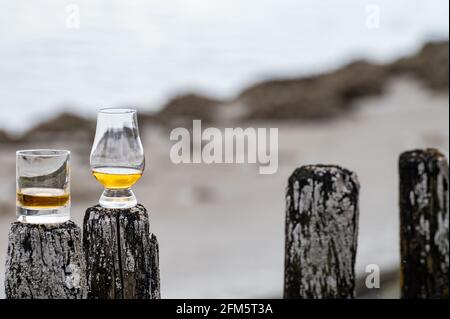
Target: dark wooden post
x,y
121,254
45,261
321,233
424,224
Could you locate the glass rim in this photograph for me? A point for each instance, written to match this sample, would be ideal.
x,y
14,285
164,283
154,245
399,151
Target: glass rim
x,y
43,152
117,110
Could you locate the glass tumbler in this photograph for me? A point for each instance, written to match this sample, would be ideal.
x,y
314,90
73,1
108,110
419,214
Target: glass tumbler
x,y
117,156
43,186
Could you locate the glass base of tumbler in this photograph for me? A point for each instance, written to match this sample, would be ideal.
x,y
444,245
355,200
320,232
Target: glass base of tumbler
x,y
118,198
43,216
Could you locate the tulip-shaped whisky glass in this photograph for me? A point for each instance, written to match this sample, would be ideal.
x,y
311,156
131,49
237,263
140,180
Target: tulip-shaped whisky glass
x,y
117,156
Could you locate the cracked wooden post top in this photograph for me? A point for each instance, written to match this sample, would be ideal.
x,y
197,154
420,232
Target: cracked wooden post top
x,y
424,224
321,233
122,256
45,262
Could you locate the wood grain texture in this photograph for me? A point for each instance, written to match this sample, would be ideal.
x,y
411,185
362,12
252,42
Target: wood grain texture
x,y
424,224
121,254
45,262
321,233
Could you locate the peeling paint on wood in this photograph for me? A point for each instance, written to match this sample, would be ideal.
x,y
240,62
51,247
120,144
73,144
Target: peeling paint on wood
x,y
45,262
121,254
321,233
424,224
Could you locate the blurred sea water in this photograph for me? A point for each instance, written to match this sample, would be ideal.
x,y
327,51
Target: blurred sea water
x,y
142,52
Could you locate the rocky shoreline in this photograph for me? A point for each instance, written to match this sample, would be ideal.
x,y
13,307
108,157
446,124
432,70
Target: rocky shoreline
x,y
315,97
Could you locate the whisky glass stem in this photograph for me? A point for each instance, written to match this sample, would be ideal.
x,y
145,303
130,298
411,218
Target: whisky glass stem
x,y
118,198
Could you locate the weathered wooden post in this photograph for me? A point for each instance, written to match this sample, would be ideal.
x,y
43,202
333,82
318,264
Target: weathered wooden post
x,y
45,261
321,233
121,254
424,224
